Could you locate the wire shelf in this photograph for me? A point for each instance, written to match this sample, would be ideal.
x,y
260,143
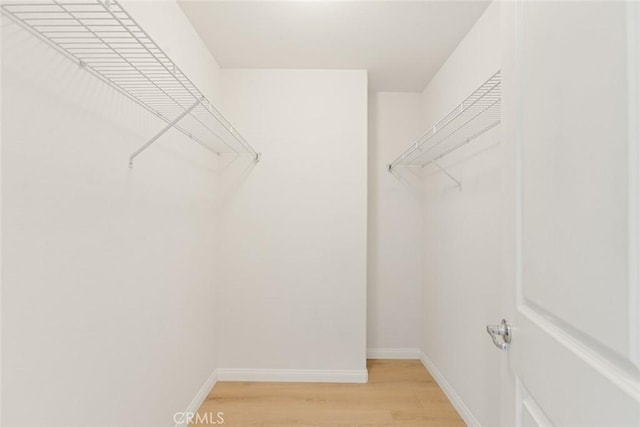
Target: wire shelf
x,y
104,39
477,114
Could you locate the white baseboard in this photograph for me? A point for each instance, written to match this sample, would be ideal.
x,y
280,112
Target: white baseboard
x,y
393,353
466,415
199,398
292,375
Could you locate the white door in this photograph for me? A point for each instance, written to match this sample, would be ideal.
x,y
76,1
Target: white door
x,y
571,121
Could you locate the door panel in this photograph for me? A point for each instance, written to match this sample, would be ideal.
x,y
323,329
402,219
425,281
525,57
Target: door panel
x,y
566,381
575,187
573,88
531,413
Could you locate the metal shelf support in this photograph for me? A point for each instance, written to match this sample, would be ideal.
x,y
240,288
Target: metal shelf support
x,y
163,131
443,170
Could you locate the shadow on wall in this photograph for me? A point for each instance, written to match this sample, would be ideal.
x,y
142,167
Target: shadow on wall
x,y
233,171
486,180
410,177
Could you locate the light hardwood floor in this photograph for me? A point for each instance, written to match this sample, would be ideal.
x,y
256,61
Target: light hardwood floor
x,y
399,393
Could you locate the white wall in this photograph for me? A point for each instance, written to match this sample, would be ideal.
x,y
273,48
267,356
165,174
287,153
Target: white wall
x,y
294,226
395,228
476,58
108,272
462,235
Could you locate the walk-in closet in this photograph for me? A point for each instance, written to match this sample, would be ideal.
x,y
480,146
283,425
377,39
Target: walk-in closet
x,y
322,213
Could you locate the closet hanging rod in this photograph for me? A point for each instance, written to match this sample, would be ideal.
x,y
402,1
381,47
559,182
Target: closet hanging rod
x,y
105,40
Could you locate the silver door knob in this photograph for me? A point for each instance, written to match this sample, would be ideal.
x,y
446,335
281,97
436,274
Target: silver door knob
x,y
500,334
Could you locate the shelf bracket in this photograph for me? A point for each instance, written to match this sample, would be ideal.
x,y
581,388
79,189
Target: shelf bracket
x,y
458,183
163,131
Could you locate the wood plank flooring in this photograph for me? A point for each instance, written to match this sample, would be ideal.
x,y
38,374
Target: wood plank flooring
x,y
400,393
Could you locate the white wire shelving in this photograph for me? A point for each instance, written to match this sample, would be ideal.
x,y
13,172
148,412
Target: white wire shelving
x,y
477,114
105,40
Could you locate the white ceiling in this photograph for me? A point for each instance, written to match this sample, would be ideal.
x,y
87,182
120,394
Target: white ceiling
x,y
401,44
